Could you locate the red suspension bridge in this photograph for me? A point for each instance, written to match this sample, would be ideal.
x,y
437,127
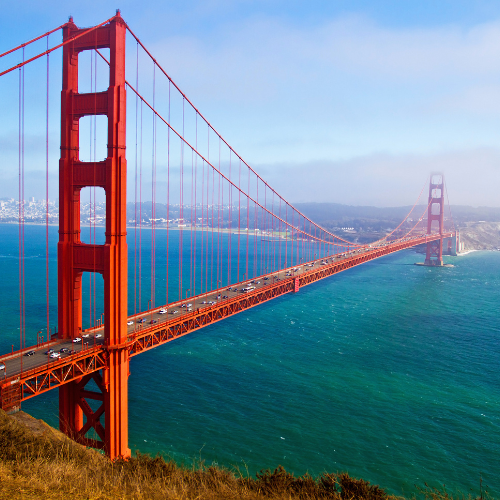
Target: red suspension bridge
x,y
220,239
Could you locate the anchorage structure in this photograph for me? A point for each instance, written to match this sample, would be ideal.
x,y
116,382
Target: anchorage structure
x,y
435,212
110,259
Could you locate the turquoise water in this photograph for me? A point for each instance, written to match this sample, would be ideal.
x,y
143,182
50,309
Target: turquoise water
x,y
388,371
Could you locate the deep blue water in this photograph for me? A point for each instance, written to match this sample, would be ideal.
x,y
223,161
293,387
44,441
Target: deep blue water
x,y
388,371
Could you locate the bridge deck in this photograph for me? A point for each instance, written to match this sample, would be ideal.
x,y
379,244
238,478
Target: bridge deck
x,y
27,376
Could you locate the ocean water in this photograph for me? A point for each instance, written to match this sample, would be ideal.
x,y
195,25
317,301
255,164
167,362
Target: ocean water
x,y
388,371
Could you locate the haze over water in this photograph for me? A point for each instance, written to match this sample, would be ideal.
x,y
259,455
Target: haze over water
x,y
388,371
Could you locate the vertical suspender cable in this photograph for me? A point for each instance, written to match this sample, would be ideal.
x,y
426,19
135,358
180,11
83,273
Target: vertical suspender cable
x,y
212,254
239,217
193,221
208,181
248,220
255,267
90,193
153,196
219,263
21,208
280,224
286,235
181,206
168,191
135,177
95,172
229,225
206,242
140,216
191,215
47,197
202,222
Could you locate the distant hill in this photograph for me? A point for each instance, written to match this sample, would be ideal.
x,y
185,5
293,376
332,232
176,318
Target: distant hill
x,y
337,212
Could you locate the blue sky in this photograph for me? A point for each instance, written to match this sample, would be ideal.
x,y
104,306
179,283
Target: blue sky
x,y
343,101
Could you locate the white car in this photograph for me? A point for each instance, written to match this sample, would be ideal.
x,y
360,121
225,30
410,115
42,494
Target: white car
x,y
130,323
98,335
55,355
162,311
76,340
86,335
174,312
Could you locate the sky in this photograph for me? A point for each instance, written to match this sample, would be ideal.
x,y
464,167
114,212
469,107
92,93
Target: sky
x,y
342,101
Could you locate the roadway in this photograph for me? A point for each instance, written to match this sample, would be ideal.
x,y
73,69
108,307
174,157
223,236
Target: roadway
x,y
21,362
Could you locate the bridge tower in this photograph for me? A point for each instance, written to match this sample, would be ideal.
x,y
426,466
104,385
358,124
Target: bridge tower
x,y
435,212
110,259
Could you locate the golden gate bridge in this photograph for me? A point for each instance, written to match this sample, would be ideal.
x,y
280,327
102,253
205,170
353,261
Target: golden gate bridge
x,y
231,242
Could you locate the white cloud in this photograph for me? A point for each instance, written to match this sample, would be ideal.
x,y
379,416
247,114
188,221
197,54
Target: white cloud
x,y
358,106
483,99
345,88
258,57
472,178
357,44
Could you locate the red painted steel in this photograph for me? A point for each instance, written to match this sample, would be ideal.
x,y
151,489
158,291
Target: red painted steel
x,y
78,369
434,253
107,365
110,259
51,375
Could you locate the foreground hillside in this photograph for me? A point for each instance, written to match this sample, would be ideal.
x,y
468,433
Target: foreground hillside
x,y
36,461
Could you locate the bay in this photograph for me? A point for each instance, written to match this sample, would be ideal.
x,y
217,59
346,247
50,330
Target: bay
x,y
388,371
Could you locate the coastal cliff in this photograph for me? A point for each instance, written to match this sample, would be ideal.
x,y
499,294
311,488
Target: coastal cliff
x,y
480,235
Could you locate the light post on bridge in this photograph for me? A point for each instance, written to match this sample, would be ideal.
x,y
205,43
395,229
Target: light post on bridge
x,y
185,303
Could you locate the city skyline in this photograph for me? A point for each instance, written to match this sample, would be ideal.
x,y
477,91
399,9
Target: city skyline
x,y
353,104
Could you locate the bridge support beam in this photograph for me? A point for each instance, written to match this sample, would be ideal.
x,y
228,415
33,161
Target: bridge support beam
x,y
74,257
435,213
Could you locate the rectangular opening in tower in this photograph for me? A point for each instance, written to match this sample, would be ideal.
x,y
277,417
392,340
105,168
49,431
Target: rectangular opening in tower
x,y
92,302
93,71
435,208
93,215
93,138
436,179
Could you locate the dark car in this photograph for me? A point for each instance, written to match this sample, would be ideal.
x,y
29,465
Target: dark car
x,y
30,353
50,351
142,320
224,296
153,321
65,350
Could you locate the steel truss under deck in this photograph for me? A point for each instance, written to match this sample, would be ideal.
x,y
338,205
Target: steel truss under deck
x,y
86,364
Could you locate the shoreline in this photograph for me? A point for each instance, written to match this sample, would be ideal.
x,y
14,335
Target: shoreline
x,y
251,232
465,252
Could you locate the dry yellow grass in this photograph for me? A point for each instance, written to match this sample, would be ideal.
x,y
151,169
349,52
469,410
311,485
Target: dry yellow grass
x,y
38,462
